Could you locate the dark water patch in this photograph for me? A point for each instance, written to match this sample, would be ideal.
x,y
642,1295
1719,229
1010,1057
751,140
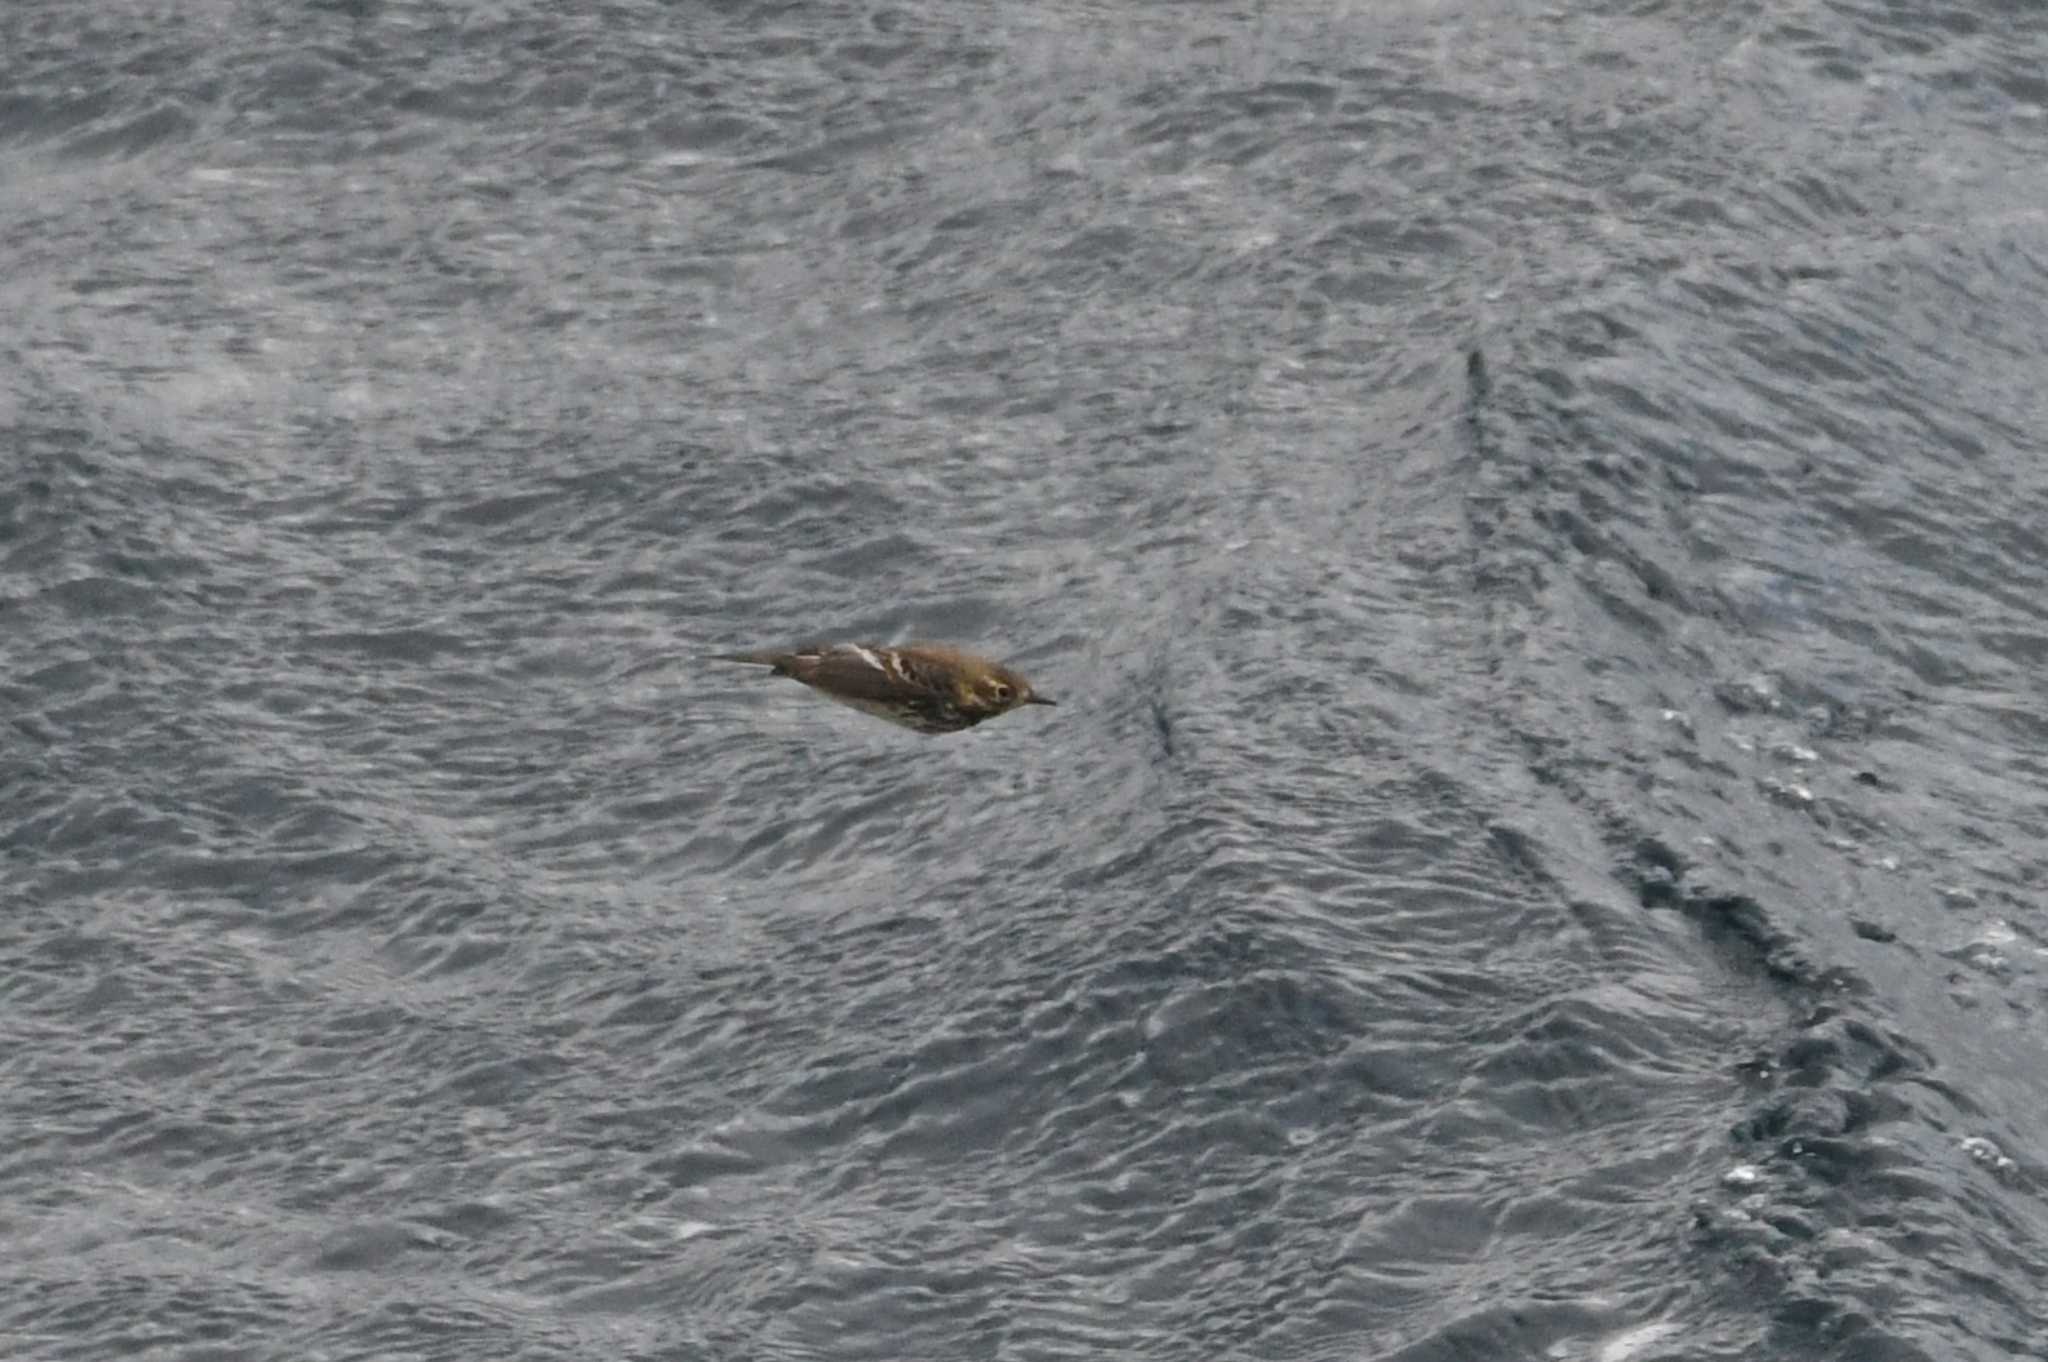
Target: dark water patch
x,y
1847,1129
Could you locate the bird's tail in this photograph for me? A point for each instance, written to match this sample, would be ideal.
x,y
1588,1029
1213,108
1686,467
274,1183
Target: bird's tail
x,y
760,659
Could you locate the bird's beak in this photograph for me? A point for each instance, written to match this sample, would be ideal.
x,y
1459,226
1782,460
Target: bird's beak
x,y
1041,700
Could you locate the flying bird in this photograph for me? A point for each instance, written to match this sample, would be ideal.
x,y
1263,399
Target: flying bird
x,y
925,687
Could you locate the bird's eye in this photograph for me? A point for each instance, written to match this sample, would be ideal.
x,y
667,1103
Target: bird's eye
x,y
1002,692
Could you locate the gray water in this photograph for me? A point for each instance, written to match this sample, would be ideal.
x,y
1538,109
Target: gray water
x,y
1534,513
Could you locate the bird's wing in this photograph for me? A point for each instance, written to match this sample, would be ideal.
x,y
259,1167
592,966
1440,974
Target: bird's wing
x,y
855,671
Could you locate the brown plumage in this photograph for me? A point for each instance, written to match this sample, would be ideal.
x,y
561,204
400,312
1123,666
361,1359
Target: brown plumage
x,y
927,687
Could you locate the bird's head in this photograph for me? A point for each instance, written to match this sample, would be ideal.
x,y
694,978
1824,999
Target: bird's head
x,y
990,689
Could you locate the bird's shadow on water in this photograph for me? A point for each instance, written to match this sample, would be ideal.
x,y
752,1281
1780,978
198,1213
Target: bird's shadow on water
x,y
1162,724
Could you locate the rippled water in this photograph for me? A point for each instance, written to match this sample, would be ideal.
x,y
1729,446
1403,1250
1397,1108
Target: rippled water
x,y
1534,515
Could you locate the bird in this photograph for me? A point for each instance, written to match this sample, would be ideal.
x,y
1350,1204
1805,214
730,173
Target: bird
x,y
929,688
